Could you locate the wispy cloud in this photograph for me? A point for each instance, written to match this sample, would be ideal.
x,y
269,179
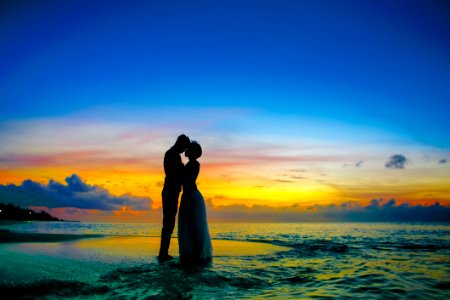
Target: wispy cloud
x,y
358,164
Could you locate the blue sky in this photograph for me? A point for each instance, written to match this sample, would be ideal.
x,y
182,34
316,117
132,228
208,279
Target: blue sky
x,y
301,101
380,63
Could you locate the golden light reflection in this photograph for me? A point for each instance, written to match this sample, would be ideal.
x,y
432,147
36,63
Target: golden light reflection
x,y
252,184
138,247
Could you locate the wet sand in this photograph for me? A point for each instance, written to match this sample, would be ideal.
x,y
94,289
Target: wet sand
x,y
86,257
131,246
7,236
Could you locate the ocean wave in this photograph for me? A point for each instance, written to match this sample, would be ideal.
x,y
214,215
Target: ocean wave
x,y
341,261
149,281
406,245
173,281
51,287
414,246
309,247
445,285
230,280
159,276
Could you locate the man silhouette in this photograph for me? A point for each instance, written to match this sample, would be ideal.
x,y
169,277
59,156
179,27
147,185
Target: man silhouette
x,y
173,168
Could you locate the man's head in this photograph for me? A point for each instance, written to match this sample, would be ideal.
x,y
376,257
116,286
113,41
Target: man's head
x,y
182,143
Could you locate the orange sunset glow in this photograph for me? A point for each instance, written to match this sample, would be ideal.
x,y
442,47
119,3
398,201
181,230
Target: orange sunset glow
x,y
273,172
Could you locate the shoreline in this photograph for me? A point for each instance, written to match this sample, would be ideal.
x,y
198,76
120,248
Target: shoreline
x,y
8,236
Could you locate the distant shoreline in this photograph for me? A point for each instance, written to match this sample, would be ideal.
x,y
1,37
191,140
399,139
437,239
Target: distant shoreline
x,y
15,213
12,222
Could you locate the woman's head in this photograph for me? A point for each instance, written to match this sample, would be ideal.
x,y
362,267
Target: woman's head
x,y
194,150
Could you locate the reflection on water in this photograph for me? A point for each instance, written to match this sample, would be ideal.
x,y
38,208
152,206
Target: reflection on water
x,y
357,260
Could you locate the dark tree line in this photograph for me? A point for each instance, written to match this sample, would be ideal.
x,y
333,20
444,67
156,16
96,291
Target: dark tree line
x,y
11,212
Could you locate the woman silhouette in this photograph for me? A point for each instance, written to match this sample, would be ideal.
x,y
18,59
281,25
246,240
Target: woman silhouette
x,y
193,233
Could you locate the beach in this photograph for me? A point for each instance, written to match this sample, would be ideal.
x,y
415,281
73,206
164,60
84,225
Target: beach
x,y
367,260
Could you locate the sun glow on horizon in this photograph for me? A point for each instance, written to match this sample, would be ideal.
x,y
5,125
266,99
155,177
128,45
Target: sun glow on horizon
x,y
279,169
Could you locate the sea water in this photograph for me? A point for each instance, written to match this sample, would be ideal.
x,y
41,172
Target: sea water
x,y
320,260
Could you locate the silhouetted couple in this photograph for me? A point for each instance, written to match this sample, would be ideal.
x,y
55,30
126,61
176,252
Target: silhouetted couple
x,y
193,233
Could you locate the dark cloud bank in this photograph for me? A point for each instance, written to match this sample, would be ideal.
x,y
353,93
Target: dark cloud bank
x,y
377,211
75,193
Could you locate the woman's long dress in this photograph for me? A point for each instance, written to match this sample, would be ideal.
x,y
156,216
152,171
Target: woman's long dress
x,y
193,233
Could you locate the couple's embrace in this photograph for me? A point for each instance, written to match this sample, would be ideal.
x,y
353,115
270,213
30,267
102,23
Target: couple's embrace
x,y
193,233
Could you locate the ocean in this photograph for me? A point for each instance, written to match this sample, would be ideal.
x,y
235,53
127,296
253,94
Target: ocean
x,y
254,260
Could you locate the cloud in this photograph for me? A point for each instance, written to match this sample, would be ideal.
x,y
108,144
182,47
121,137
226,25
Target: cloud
x,y
377,211
75,194
298,170
443,161
298,177
396,161
358,164
76,199
283,180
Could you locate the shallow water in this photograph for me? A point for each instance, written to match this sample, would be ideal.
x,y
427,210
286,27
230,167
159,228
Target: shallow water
x,y
337,260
